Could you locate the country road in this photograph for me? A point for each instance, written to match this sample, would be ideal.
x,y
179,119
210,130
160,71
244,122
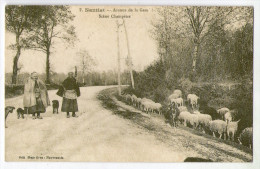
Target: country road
x,y
100,135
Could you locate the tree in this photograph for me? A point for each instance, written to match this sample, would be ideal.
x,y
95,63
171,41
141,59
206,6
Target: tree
x,y
19,20
86,62
52,24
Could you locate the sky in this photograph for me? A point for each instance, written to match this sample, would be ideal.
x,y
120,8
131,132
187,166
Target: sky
x,y
99,37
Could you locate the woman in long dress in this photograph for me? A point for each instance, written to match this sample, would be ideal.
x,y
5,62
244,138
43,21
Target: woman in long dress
x,y
70,94
36,98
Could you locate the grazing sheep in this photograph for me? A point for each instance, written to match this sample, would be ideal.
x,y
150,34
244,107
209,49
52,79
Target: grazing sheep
x,y
232,129
223,111
138,102
232,114
228,117
173,96
193,100
218,126
196,112
178,102
133,99
193,120
178,92
246,137
145,104
183,117
128,98
156,107
182,108
204,120
211,111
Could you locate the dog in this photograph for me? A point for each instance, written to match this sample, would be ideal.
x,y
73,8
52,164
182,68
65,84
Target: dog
x,y
8,109
55,106
20,113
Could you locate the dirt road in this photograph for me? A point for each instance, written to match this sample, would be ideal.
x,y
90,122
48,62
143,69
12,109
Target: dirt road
x,y
100,135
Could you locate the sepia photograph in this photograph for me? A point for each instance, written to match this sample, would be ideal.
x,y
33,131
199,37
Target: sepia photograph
x,y
128,83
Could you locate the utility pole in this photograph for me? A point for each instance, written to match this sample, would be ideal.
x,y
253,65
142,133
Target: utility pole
x,y
129,57
118,60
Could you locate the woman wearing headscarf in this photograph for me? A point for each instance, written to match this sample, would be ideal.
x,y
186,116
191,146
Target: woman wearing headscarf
x,y
69,91
36,98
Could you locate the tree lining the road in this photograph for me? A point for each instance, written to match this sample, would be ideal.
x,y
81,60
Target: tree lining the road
x,y
38,28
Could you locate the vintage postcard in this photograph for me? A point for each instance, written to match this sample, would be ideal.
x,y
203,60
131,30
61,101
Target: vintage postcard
x,y
129,83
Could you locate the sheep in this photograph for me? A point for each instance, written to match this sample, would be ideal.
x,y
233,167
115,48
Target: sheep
x,y
156,107
193,119
138,102
133,99
178,102
228,117
173,96
178,92
145,104
128,98
193,100
183,117
223,111
211,111
246,137
219,126
232,129
196,112
182,108
204,120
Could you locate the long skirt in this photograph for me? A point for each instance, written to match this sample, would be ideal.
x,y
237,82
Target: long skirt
x,y
38,108
69,105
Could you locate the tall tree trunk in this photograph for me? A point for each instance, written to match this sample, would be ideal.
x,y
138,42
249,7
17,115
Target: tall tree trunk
x,y
15,65
16,59
48,67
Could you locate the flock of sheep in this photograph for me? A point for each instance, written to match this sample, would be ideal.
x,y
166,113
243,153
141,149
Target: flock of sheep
x,y
200,117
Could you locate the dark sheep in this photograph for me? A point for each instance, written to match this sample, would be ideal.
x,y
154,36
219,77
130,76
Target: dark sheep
x,y
210,111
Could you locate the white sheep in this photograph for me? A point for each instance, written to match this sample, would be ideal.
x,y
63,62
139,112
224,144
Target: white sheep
x,y
182,108
156,107
232,129
223,111
178,102
193,100
218,126
178,92
203,120
145,104
246,137
133,99
183,117
193,119
196,112
173,96
128,98
138,102
228,117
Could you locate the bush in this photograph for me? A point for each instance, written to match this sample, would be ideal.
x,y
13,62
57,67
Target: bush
x,y
13,90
